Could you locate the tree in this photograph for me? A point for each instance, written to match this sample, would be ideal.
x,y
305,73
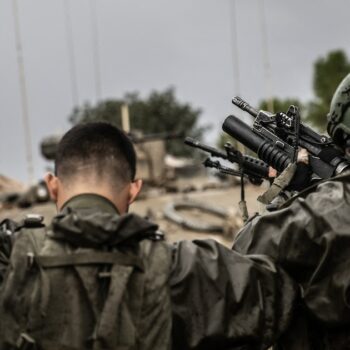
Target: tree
x,y
328,73
281,105
160,112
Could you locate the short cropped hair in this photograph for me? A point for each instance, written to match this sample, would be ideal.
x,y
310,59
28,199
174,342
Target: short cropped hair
x,y
96,149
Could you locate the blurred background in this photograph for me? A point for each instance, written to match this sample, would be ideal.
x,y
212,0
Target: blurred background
x,y
163,70
75,54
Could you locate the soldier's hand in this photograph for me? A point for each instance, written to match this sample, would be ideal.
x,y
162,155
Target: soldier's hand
x,y
303,156
302,176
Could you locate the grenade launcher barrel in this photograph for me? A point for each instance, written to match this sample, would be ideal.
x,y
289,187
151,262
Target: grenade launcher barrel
x,y
271,154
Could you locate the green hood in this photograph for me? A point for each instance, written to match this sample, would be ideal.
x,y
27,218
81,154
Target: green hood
x,y
92,221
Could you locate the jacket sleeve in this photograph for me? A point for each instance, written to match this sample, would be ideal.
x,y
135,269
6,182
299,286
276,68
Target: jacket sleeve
x,y
223,299
5,252
13,292
311,241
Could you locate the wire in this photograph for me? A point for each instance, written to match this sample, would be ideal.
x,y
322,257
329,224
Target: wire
x,y
266,57
95,48
234,41
23,93
71,53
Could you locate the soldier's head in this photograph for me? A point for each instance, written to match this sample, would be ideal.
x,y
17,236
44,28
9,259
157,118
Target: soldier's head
x,y
95,158
339,116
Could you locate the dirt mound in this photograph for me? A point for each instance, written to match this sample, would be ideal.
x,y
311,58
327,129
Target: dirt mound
x,y
8,185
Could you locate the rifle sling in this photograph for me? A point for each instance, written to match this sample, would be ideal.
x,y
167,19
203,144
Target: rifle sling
x,y
280,183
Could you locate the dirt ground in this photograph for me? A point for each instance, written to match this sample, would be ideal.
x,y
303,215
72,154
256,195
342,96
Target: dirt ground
x,y
153,206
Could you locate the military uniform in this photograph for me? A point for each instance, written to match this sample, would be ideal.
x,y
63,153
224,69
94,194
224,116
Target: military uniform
x,y
92,280
310,240
208,295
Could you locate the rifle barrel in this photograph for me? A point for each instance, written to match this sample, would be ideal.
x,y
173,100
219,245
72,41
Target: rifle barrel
x,y
244,106
213,151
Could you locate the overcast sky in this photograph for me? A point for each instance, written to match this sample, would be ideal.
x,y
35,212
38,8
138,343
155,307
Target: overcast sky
x,y
153,44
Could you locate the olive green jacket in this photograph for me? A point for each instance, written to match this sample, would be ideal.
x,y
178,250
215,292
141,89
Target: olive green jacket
x,y
124,305
209,296
310,240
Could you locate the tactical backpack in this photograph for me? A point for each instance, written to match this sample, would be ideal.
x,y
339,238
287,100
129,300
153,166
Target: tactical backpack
x,y
69,294
8,231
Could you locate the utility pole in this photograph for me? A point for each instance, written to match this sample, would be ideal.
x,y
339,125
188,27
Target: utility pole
x,y
23,93
95,49
235,57
234,42
71,54
266,57
125,118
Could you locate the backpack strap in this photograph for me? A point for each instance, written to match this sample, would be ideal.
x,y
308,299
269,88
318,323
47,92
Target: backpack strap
x,y
26,342
9,229
90,258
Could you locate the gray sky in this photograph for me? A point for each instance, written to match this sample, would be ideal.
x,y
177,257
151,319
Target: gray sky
x,y
153,44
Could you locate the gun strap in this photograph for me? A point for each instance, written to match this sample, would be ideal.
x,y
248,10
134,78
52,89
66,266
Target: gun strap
x,y
242,204
279,184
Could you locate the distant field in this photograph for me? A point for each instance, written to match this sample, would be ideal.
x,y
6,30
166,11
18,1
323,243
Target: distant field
x,y
227,198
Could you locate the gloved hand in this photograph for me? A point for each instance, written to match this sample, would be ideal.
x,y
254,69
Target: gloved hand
x,y
302,176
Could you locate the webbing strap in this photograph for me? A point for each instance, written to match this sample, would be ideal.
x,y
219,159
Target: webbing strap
x,y
91,258
279,184
50,345
26,342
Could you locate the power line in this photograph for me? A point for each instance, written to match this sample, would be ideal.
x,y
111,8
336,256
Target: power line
x,y
23,93
71,53
95,48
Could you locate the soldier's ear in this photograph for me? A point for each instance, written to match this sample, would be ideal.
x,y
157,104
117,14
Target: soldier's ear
x,y
134,190
52,185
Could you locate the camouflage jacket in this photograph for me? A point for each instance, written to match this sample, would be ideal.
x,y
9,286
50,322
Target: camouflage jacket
x,y
219,299
55,299
310,239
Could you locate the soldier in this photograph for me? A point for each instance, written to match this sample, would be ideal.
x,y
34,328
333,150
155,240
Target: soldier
x,y
101,278
310,239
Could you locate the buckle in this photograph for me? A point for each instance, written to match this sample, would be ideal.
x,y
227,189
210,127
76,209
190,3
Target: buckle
x,y
104,274
25,342
33,220
30,260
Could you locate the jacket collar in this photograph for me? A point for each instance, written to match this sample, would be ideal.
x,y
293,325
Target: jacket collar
x,y
90,200
89,220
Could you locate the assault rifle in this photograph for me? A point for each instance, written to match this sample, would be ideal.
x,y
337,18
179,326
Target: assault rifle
x,y
253,168
276,139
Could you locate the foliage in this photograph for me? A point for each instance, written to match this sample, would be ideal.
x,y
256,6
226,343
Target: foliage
x,y
328,73
281,105
223,138
160,112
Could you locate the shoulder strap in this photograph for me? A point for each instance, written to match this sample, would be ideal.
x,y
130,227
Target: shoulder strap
x,y
90,258
9,231
26,342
